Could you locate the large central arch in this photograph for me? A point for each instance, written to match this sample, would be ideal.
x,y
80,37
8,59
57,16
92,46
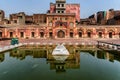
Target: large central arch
x,y
61,34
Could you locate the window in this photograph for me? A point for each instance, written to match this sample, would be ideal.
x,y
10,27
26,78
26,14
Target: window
x,y
58,5
61,24
58,11
0,34
62,5
62,11
22,34
32,34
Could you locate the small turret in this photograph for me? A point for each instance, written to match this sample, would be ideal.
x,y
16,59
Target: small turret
x,y
60,6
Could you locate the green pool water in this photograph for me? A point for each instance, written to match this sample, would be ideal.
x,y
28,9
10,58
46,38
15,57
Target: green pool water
x,y
38,64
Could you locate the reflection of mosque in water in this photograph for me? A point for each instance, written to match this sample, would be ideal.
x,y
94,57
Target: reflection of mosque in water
x,y
2,56
61,63
70,62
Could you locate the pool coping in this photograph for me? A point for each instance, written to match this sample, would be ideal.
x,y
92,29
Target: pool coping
x,y
7,48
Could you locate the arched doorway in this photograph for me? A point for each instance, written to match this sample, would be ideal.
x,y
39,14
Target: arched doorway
x,y
21,34
100,34
71,34
0,34
32,34
110,35
80,34
11,34
50,34
41,34
61,34
89,34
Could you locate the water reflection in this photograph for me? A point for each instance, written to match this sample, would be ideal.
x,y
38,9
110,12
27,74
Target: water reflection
x,y
72,62
23,53
107,55
60,64
2,57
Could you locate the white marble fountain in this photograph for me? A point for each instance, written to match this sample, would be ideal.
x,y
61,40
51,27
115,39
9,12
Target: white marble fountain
x,y
60,52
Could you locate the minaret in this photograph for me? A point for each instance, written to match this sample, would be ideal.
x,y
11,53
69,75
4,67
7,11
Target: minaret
x,y
60,6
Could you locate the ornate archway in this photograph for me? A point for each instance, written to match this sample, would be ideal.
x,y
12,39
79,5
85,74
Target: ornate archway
x,y
100,34
111,33
80,33
89,34
11,33
61,34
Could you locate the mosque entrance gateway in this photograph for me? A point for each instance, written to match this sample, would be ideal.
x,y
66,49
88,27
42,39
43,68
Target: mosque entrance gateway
x,y
61,34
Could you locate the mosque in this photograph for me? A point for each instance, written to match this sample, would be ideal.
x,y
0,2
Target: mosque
x,y
61,21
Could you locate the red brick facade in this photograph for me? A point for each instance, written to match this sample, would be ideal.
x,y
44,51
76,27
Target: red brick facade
x,y
39,32
74,8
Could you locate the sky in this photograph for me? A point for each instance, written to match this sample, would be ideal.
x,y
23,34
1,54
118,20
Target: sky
x,y
87,7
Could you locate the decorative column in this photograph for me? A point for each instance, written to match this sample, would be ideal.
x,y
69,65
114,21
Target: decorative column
x,y
75,33
105,34
16,32
37,32
116,33
94,33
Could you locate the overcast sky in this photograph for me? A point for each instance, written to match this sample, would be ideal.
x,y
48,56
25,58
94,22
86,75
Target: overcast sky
x,y
88,7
